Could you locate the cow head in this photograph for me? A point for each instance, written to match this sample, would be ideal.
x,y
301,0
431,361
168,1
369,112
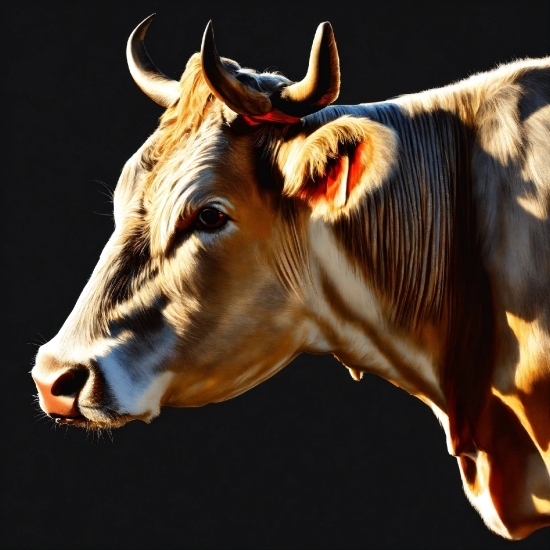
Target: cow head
x,y
199,294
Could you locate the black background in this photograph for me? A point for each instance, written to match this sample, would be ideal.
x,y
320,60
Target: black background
x,y
309,458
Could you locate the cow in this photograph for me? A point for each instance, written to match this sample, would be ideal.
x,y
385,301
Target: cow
x,y
409,238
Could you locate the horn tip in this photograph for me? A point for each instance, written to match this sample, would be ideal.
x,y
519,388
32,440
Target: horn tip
x,y
155,85
148,20
208,36
326,30
141,29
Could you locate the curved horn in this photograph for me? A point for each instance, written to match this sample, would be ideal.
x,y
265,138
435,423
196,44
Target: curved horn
x,y
225,86
321,85
156,85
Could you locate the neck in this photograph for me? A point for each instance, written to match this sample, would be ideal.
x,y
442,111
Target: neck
x,y
352,317
402,276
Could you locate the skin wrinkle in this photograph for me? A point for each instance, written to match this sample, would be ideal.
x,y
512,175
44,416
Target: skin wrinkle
x,y
391,271
413,383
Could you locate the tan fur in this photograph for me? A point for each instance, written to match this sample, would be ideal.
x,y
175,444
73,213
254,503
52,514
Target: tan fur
x,y
466,97
183,119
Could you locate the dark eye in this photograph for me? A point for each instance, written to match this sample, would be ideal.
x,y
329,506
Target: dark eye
x,y
211,218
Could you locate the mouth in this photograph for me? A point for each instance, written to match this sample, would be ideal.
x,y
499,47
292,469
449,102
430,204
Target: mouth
x,y
97,419
106,421
60,419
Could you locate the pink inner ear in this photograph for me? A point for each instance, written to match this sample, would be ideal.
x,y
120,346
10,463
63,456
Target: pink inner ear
x,y
358,165
336,182
273,117
343,177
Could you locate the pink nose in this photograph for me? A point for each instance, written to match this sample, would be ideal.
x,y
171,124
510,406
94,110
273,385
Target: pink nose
x,y
58,390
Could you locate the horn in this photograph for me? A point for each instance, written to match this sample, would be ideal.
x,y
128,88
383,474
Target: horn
x,y
225,86
156,85
321,85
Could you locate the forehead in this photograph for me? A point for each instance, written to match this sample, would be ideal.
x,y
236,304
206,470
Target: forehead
x,y
166,178
165,156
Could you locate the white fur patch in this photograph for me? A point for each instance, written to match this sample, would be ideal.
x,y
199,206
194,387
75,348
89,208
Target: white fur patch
x,y
132,371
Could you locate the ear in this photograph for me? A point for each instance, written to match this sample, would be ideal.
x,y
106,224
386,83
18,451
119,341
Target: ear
x,y
334,166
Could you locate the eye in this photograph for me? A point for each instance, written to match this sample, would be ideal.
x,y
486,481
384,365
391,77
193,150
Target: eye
x,y
211,218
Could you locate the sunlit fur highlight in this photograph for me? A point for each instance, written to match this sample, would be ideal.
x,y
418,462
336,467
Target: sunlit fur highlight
x,y
430,236
179,183
183,183
183,119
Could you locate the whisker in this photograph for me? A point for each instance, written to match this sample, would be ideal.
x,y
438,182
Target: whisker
x,y
110,191
102,214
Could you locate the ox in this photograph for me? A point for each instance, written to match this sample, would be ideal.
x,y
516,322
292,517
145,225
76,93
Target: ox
x,y
409,238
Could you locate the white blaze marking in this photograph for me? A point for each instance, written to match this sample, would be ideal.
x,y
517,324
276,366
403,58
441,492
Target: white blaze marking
x,y
136,384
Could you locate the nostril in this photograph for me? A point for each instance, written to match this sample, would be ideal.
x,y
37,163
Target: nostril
x,y
70,383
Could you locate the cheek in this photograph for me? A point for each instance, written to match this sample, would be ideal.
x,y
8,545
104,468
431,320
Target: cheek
x,y
255,217
238,261
237,305
221,288
229,366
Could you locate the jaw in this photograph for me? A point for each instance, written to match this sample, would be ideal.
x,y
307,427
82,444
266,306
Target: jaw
x,y
183,382
237,351
222,380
